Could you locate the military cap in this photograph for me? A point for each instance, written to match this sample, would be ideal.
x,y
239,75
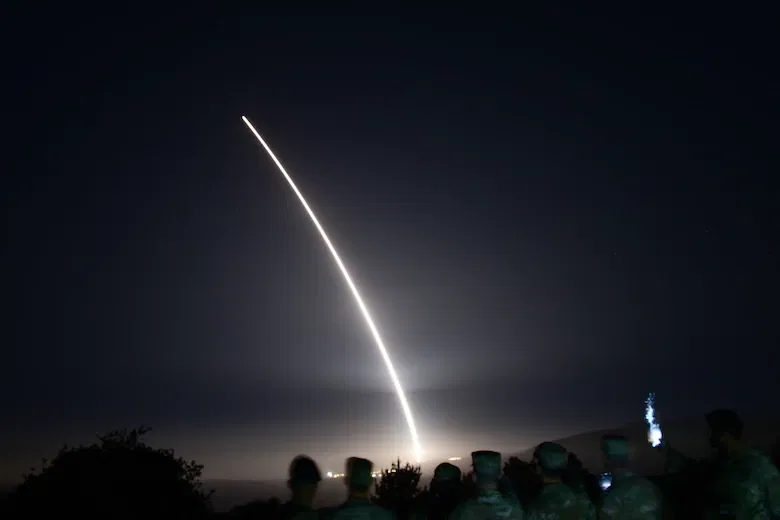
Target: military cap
x,y
616,447
445,472
304,470
552,456
725,421
487,464
359,472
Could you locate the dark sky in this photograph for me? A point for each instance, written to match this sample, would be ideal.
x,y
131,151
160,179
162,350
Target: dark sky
x,y
549,214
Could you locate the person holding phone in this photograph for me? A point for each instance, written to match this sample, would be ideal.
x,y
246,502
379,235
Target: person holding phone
x,y
630,496
557,501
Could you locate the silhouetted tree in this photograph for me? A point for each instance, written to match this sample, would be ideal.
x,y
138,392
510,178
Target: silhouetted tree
x,y
524,479
119,477
398,488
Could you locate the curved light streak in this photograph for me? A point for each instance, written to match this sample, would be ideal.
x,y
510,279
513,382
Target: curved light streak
x,y
374,332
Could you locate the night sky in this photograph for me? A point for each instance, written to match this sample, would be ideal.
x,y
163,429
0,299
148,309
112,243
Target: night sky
x,y
549,215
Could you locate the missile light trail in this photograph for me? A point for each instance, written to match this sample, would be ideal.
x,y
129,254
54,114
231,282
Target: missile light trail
x,y
369,321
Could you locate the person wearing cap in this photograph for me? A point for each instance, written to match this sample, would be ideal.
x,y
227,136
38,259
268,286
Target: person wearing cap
x,y
359,480
490,502
630,496
445,493
556,501
747,483
304,478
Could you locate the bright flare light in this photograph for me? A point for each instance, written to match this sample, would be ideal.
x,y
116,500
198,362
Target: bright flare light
x,y
379,343
654,434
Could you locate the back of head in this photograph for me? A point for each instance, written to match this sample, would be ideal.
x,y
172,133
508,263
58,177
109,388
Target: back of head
x,y
487,466
616,448
445,491
304,472
553,459
446,477
358,475
446,472
725,421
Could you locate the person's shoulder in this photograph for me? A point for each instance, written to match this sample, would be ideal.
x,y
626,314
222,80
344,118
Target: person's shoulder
x,y
466,508
761,463
560,494
565,490
327,513
380,513
303,515
458,511
646,487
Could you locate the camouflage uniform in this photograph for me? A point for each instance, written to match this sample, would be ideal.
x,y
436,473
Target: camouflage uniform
x,y
575,477
557,501
357,509
358,475
489,504
630,497
748,488
586,507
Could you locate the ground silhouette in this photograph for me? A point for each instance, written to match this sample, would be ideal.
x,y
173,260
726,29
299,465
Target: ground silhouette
x,y
117,477
122,477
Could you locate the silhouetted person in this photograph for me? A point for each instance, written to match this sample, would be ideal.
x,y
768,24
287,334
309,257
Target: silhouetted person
x,y
747,484
304,478
575,477
582,481
630,496
358,505
490,502
445,493
556,501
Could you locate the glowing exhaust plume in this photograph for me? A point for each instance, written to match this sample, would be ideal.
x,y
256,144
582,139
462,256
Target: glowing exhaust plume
x,y
377,338
654,434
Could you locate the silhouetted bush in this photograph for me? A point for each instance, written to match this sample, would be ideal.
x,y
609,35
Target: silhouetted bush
x,y
117,477
398,488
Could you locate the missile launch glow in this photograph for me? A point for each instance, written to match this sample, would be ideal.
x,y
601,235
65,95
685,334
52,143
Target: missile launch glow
x,y
654,433
374,332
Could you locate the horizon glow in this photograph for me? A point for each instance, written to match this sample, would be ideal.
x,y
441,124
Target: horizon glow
x,y
363,308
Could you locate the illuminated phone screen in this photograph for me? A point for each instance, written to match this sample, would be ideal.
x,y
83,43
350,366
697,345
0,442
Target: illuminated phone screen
x,y
605,481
